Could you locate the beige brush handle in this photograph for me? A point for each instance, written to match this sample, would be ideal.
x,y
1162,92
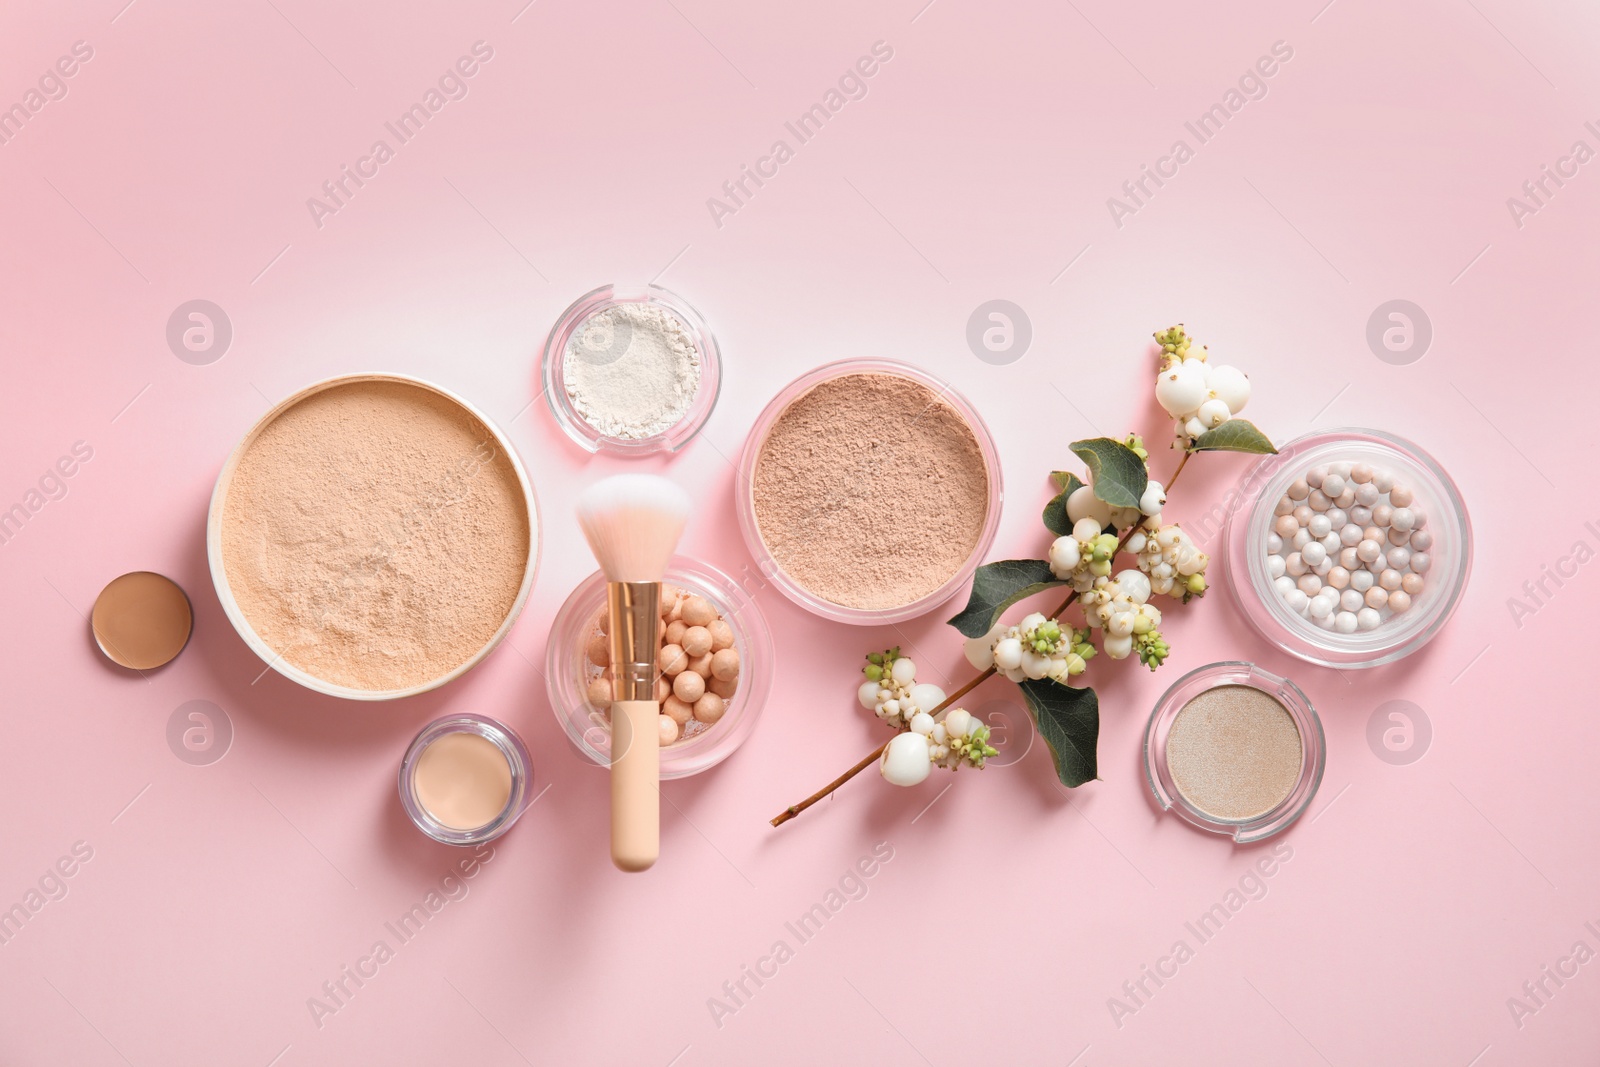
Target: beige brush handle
x,y
635,784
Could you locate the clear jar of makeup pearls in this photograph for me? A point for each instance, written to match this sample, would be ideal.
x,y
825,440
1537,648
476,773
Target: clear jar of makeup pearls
x,y
568,673
1349,548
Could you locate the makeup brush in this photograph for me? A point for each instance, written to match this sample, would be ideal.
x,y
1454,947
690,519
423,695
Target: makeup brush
x,y
632,523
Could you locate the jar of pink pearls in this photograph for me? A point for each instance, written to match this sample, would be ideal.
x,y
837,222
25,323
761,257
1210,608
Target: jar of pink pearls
x,y
1349,548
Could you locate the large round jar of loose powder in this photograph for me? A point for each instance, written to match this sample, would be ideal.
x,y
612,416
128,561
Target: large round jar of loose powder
x,y
372,537
869,491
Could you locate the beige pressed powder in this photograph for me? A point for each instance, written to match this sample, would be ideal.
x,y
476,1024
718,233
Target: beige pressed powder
x,y
375,534
870,490
1234,752
463,780
141,620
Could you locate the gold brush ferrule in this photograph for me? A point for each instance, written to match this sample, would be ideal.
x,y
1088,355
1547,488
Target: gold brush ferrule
x,y
635,609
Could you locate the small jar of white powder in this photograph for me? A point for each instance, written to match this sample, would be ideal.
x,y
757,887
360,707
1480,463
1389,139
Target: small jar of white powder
x,y
631,371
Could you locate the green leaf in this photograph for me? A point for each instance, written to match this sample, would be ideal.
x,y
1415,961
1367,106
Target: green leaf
x,y
1118,472
1235,435
1055,512
997,586
1064,481
1069,721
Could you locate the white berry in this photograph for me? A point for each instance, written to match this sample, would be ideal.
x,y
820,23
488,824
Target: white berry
x,y
905,760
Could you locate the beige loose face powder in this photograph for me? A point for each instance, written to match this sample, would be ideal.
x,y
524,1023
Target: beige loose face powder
x,y
870,490
375,535
1234,752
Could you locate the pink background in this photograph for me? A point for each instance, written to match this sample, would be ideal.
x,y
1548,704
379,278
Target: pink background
x,y
219,898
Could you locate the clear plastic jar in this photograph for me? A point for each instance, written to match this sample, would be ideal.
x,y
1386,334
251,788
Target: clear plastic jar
x,y
746,506
496,733
568,670
1399,635
1313,750
555,357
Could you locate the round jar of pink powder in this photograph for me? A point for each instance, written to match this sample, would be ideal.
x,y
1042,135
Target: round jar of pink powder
x,y
869,491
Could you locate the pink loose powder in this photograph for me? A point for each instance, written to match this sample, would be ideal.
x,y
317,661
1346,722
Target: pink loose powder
x,y
375,535
870,491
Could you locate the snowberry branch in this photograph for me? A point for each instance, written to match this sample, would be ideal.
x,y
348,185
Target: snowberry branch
x,y
872,757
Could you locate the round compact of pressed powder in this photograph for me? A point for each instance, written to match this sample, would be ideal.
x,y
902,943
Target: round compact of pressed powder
x,y
373,537
465,779
141,620
869,491
1234,749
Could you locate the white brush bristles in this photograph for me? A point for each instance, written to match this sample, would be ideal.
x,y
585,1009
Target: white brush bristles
x,y
633,523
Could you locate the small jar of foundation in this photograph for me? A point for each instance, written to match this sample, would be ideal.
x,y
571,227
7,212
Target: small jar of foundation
x,y
631,371
1359,578
465,779
1234,749
711,713
869,491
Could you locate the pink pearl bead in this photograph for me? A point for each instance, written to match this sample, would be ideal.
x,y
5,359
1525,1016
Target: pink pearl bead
x,y
1412,583
1399,537
1296,565
1285,506
1349,559
1368,550
1373,534
1401,496
1318,500
1382,514
1347,499
1361,472
1377,596
1399,601
1310,584
1390,579
1285,526
1422,540
1315,475
1298,489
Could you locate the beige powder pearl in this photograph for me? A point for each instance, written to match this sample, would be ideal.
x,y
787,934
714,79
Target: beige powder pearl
x,y
701,665
669,729
671,660
696,640
677,709
663,688
721,635
676,612
723,687
688,687
673,634
669,598
725,664
600,693
598,650
709,708
697,611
